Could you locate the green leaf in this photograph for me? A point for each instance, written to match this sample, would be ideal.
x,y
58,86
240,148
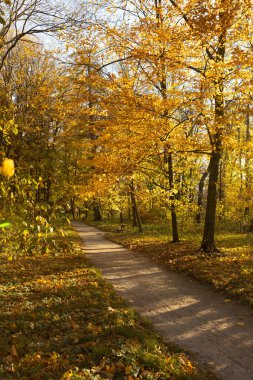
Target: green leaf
x,y
5,224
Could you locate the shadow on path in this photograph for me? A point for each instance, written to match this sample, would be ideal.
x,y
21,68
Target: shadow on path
x,y
183,311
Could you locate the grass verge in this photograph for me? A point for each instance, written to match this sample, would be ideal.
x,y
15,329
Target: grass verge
x,y
232,271
60,319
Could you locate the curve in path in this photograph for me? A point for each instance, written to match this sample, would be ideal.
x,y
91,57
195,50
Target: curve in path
x,y
183,311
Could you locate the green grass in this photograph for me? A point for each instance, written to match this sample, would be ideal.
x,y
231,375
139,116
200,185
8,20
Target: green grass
x,y
59,319
231,271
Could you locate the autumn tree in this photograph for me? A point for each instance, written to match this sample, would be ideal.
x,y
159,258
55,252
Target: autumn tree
x,y
211,36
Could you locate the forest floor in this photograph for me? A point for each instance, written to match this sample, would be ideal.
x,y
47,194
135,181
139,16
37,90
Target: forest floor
x,y
59,319
219,330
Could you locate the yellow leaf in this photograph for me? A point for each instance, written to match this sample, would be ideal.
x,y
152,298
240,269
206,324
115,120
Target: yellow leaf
x,y
7,168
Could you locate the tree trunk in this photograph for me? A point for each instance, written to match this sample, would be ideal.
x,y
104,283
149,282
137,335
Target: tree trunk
x,y
162,69
133,203
97,212
248,172
201,194
134,210
175,236
191,193
136,218
208,244
72,207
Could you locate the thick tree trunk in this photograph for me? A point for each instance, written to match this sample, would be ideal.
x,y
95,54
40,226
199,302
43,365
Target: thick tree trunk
x,y
97,212
220,182
208,243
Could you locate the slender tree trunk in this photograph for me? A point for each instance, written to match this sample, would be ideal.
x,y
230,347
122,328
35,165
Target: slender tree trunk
x,y
191,194
162,68
134,209
136,217
240,162
175,236
201,194
208,242
72,207
248,172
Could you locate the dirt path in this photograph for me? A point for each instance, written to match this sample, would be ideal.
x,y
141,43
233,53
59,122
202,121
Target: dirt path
x,y
190,314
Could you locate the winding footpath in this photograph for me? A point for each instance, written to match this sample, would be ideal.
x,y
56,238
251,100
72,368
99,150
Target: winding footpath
x,y
217,333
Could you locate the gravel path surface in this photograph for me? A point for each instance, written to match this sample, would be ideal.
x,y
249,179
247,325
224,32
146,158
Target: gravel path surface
x,y
216,332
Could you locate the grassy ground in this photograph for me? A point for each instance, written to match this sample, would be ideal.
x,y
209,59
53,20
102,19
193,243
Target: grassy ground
x,y
231,271
59,319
